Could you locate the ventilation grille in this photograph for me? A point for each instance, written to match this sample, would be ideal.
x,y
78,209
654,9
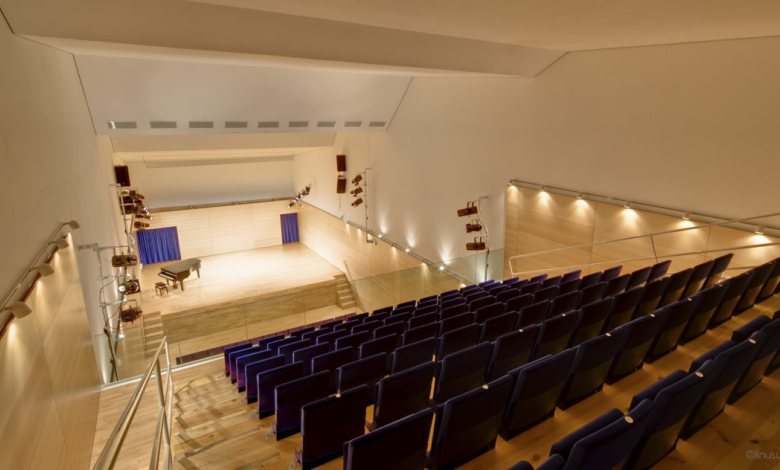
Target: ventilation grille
x,y
201,124
377,124
353,123
236,124
162,124
122,125
298,124
326,124
268,124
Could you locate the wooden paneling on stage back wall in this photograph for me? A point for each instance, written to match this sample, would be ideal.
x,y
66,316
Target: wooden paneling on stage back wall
x,y
225,229
49,382
537,221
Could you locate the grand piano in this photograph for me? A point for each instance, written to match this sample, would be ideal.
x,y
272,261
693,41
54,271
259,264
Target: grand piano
x,y
179,271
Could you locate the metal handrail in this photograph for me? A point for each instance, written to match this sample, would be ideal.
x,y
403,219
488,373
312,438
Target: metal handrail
x,y
651,258
110,453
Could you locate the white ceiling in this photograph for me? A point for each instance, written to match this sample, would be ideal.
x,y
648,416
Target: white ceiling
x,y
567,25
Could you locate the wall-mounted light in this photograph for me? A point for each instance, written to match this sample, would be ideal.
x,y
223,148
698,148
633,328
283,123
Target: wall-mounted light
x,y
759,230
43,269
357,202
581,196
19,309
441,268
357,179
627,205
470,209
60,243
380,235
542,189
686,216
407,249
356,191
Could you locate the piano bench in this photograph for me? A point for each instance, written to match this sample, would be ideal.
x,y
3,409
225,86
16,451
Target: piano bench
x,y
159,287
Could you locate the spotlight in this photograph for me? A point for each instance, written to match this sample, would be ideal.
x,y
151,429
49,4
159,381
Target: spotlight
x,y
380,235
470,209
123,261
73,224
441,268
759,230
580,196
357,202
43,269
627,205
357,179
475,227
290,204
130,314
306,190
61,243
407,250
131,286
19,309
356,191
686,216
476,245
542,189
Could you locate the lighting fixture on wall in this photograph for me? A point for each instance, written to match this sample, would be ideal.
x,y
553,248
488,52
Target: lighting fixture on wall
x,y
686,216
581,197
357,179
759,230
407,250
474,226
356,191
470,209
542,189
129,287
477,245
627,205
357,202
299,197
61,243
43,269
19,309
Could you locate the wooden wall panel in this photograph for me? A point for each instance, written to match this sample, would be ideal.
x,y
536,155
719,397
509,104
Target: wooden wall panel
x,y
225,229
536,221
48,377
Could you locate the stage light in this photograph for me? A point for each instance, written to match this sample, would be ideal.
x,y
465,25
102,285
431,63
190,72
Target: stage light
x,y
759,230
306,190
470,209
290,204
380,235
357,202
475,227
357,179
19,309
61,243
628,205
43,269
407,250
476,245
543,189
356,191
73,225
441,268
580,196
686,216
131,286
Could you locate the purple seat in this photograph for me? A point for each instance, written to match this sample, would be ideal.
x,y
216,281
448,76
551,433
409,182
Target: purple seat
x,y
353,340
762,361
623,308
288,349
591,280
593,293
235,348
639,277
676,286
402,394
505,295
313,335
537,387
639,335
467,425
564,446
457,339
300,331
423,320
706,303
546,293
531,287
248,358
426,310
488,311
348,325
555,334
453,323
401,444
518,301
590,368
367,326
552,281
735,287
659,270
252,369
611,273
233,357
511,351
331,323
367,371
397,318
591,321
564,303
538,278
651,297
772,282
330,362
330,338
385,344
698,277
753,288
674,400
267,382
571,276
408,303
481,302
498,326
383,310
328,423
306,354
462,371
413,354
412,335
533,314
290,396
719,266
674,318
617,285
391,329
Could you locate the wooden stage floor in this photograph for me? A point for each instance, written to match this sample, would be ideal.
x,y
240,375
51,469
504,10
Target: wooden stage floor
x,y
235,275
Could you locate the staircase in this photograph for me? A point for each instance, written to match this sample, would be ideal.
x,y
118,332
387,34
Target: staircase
x,y
153,332
345,299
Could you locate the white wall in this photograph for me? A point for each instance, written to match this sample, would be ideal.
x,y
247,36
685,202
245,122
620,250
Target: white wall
x,y
691,126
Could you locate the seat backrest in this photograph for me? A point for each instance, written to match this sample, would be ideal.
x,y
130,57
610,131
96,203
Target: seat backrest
x,y
226,352
402,394
564,303
772,281
267,382
617,285
313,335
387,309
537,387
300,331
263,343
385,344
331,323
275,345
571,276
458,321
425,309
497,326
591,320
401,444
518,301
546,293
288,349
505,295
511,351
242,361
564,446
705,302
452,310
419,320
353,341
591,366
290,396
753,288
488,311
481,302
611,273
330,362
393,328
457,339
331,338
555,334
719,266
676,286
591,280
534,314
462,371
467,425
651,297
735,287
306,354
623,308
328,423
593,293
531,287
569,286
368,371
698,277
412,335
552,281
674,318
639,277
368,326
538,278
253,368
659,270
412,354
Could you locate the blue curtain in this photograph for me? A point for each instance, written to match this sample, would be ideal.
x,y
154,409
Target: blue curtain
x,y
158,245
289,228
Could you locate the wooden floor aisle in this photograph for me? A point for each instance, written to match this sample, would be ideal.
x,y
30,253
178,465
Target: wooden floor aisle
x,y
215,429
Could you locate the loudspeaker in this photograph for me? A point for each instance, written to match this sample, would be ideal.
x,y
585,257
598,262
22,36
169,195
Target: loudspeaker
x,y
341,185
122,175
341,163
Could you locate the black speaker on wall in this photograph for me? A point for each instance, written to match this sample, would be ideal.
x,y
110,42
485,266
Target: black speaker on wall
x,y
122,175
341,185
341,163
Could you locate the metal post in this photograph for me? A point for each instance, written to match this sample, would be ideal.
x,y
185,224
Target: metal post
x,y
655,253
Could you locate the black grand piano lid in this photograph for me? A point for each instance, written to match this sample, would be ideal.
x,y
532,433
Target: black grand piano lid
x,y
183,265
